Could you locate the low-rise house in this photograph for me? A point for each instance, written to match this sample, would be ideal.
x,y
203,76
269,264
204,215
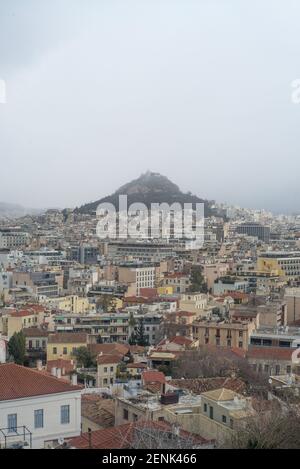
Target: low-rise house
x,y
36,409
177,343
36,343
136,369
64,344
107,369
222,412
272,360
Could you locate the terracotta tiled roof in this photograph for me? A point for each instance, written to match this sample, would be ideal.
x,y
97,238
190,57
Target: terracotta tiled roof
x,y
108,359
151,376
98,410
35,332
136,365
178,340
269,353
66,365
121,436
67,338
114,348
17,382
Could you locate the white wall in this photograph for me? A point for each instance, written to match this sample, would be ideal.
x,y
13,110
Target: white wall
x,y
51,403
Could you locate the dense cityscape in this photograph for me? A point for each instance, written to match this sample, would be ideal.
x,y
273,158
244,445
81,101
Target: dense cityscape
x,y
149,231
147,343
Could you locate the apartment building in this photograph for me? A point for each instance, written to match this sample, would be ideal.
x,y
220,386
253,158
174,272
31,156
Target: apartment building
x,y
138,276
13,238
223,333
284,264
193,303
292,298
254,229
228,285
178,282
284,336
71,304
151,252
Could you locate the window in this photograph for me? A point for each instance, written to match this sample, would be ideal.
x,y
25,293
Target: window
x,y
231,423
266,368
39,418
224,419
65,414
111,368
277,370
125,414
54,350
65,351
288,369
205,407
12,423
240,344
105,369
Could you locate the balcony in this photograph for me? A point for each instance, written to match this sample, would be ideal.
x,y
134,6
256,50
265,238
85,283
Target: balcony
x,y
20,438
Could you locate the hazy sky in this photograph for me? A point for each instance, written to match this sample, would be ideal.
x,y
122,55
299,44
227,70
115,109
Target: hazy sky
x,y
99,91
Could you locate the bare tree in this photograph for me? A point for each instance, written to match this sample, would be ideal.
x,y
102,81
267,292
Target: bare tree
x,y
274,429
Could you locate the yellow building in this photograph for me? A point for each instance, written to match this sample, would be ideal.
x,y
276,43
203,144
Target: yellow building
x,y
284,264
224,334
72,304
165,290
12,321
64,344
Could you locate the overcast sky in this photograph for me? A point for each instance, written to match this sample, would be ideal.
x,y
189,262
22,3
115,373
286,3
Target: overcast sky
x,y
100,91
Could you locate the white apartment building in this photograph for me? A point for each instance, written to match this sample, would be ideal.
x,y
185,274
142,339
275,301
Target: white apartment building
x,y
12,239
37,410
145,278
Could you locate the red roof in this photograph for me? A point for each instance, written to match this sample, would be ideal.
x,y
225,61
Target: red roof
x,y
17,382
269,353
178,340
122,436
153,377
65,365
108,359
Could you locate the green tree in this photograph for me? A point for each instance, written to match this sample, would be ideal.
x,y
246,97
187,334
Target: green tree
x,y
17,347
198,283
107,303
139,337
84,357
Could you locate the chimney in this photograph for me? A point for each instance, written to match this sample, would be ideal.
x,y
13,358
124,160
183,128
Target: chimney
x,y
90,437
74,379
39,365
53,371
58,373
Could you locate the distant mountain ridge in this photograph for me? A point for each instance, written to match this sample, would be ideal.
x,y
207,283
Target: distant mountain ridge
x,y
149,188
8,210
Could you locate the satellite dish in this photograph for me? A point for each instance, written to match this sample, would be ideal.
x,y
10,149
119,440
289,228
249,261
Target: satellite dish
x,y
270,381
61,440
